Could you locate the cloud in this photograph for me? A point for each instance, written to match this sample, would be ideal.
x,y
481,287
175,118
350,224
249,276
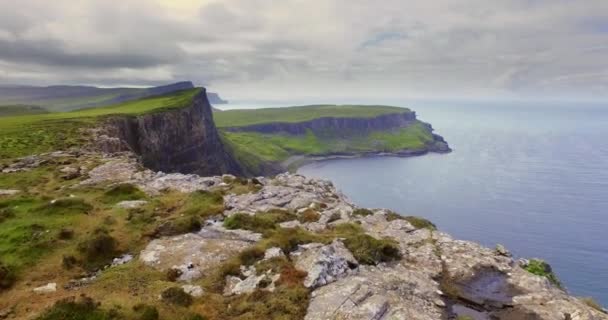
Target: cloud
x,y
293,48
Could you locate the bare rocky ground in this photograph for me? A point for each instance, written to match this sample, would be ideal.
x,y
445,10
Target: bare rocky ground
x,y
437,277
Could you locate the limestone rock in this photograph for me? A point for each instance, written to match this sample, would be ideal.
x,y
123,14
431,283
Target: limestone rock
x,y
324,263
131,204
195,253
48,288
273,252
9,192
195,291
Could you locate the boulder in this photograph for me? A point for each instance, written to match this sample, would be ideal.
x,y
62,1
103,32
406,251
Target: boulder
x,y
324,263
48,288
131,204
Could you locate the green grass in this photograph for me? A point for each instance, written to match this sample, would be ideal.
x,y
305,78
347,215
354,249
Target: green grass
x,y
279,147
239,118
31,134
543,269
19,110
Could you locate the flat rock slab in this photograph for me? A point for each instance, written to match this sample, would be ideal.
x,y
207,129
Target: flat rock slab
x,y
194,253
378,293
9,192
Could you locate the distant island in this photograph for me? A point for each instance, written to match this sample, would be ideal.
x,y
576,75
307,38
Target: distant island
x,y
159,208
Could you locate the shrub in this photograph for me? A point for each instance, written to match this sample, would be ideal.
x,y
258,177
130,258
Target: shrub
x,y
145,312
68,262
6,213
261,222
420,223
65,234
7,276
179,225
176,296
543,269
203,204
251,255
173,274
362,212
289,239
123,192
65,206
98,249
309,215
365,248
84,309
369,250
283,303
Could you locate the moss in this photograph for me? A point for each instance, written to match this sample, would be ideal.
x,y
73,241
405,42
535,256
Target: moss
x,y
416,222
123,192
420,223
176,296
309,215
543,269
145,312
362,212
70,308
178,226
261,222
365,248
65,206
7,277
464,318
99,249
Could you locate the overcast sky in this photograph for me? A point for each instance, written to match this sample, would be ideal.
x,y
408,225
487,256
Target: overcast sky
x,y
276,49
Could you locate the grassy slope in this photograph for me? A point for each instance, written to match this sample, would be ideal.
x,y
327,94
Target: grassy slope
x,y
238,118
30,134
279,147
19,110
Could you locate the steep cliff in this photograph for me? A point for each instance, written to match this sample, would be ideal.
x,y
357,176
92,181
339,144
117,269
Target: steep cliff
x,y
340,126
177,140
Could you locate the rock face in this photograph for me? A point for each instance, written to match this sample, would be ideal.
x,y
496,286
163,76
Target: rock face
x,y
194,254
324,263
338,125
182,140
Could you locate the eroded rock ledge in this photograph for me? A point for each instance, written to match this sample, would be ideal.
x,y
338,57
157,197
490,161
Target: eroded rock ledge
x,y
436,277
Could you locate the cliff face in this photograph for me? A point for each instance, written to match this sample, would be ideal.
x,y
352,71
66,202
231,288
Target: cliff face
x,y
182,140
344,125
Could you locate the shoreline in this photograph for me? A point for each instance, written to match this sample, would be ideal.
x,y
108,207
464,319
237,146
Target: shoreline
x,y
294,163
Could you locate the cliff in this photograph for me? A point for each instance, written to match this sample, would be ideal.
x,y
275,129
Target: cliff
x,y
177,140
340,126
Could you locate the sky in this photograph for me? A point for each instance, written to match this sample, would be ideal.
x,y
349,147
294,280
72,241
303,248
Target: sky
x,y
293,49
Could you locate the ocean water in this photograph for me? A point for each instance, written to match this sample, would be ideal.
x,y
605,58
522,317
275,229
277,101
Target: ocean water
x,y
531,177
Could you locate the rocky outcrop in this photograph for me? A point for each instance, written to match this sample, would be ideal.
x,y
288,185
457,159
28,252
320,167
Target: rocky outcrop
x,y
177,140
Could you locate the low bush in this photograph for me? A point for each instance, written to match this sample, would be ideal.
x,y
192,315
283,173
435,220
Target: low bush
x,y
99,249
176,296
309,215
365,248
145,312
69,262
203,204
7,276
123,192
284,303
179,225
362,212
543,269
71,309
65,206
6,213
420,223
65,234
261,222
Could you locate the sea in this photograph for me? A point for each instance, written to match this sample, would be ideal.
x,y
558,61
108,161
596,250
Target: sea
x,y
532,176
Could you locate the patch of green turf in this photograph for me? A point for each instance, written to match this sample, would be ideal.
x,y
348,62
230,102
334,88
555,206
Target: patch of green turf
x,y
239,118
31,134
19,110
279,147
543,269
